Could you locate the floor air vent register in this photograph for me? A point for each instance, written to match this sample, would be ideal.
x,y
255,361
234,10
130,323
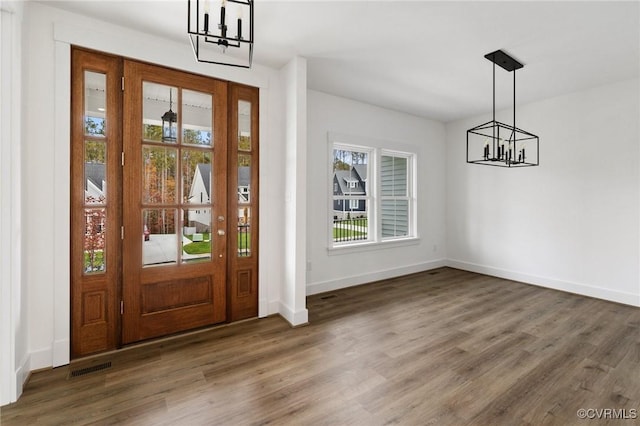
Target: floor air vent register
x,y
88,370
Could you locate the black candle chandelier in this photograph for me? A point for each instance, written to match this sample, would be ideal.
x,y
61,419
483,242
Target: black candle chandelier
x,y
497,144
221,31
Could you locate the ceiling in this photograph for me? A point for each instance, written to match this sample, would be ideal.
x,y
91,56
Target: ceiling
x,y
423,57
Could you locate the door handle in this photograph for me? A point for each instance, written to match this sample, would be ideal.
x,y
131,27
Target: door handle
x,y
220,231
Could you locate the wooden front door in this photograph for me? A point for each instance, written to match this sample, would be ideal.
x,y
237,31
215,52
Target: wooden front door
x,y
175,202
164,211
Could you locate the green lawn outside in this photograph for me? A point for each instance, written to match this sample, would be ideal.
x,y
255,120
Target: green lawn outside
x,y
345,234
199,247
204,247
350,229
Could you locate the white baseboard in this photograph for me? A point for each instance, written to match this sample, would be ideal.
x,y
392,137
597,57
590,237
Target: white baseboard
x,y
41,359
567,286
263,308
61,352
274,307
330,285
294,318
17,381
22,375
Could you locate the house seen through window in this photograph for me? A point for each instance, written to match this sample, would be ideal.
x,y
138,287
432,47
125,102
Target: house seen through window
x,y
350,198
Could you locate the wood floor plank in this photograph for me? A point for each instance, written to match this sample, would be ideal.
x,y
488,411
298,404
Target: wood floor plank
x,y
442,347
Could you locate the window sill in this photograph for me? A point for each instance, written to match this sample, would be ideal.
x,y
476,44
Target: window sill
x,y
372,245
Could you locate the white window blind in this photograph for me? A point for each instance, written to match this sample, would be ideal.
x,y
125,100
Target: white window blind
x,y
394,192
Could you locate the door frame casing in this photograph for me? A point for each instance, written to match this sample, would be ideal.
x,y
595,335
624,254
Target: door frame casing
x,y
247,93
13,358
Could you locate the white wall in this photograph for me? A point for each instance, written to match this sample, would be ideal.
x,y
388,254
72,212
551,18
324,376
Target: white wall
x,y
328,270
573,222
13,310
46,47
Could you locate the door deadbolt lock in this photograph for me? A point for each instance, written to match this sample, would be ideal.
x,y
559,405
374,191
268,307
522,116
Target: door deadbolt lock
x,y
220,218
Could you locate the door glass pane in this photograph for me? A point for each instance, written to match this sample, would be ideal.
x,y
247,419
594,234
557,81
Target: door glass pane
x,y
95,178
244,126
196,176
159,239
159,112
94,240
95,104
244,231
197,111
196,234
159,175
244,179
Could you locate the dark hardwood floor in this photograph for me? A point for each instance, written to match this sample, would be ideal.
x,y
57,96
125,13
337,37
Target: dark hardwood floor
x,y
444,347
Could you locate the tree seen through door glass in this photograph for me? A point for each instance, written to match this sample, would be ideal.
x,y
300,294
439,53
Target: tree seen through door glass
x,y
159,175
94,241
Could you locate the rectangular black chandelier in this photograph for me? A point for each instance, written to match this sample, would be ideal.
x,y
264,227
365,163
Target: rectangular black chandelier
x,y
498,144
221,31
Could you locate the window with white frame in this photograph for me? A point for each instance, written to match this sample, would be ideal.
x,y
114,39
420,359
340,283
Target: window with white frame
x,y
373,196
